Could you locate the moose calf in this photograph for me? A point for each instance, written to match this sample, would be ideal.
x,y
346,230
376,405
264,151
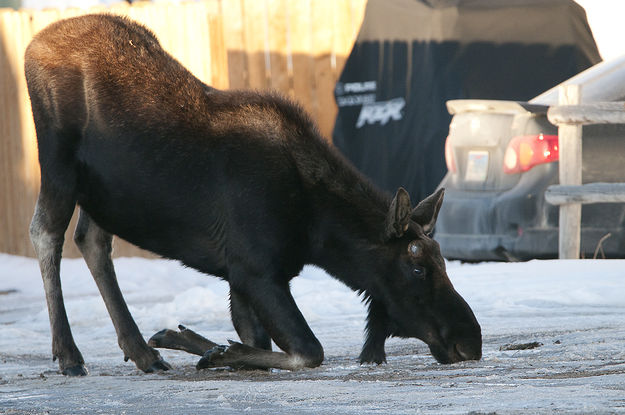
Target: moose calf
x,y
236,184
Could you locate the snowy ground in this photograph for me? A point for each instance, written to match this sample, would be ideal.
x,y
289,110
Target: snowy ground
x,y
576,309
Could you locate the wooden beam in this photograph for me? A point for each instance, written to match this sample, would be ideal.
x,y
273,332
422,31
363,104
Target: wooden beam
x,y
595,113
586,194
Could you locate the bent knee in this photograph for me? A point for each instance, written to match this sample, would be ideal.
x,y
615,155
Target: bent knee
x,y
311,357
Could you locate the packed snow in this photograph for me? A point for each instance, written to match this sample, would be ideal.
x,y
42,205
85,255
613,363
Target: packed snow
x,y
574,310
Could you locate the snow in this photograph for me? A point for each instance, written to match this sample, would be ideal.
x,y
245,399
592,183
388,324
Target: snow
x,y
576,309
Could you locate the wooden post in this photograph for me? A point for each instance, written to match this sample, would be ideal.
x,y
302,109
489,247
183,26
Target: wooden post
x,y
570,165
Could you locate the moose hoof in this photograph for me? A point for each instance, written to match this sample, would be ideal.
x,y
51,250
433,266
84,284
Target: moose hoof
x,y
77,370
158,366
367,357
376,361
212,358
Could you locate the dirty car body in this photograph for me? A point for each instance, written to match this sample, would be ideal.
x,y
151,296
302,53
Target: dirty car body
x,y
502,156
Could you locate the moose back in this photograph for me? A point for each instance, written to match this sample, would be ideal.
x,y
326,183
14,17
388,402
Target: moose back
x,y
236,184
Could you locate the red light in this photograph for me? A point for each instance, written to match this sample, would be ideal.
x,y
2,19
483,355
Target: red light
x,y
449,157
527,151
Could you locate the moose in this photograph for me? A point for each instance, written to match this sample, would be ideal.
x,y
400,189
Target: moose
x,y
236,184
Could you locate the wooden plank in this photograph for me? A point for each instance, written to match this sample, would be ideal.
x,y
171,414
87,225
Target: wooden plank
x,y
358,15
218,53
43,18
8,204
586,194
277,43
343,39
212,7
16,157
179,37
232,12
301,41
570,172
255,36
198,55
325,107
342,42
595,113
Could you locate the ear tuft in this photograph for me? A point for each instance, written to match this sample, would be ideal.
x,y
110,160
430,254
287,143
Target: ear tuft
x,y
426,212
398,217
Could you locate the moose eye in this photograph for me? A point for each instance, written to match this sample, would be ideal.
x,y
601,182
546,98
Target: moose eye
x,y
418,272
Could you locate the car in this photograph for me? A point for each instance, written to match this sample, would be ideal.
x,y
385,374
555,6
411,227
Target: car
x,y
502,155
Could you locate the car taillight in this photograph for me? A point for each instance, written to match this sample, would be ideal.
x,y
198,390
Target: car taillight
x,y
449,157
527,151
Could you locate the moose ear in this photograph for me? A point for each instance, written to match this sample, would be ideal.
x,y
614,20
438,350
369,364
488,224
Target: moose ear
x,y
398,216
426,212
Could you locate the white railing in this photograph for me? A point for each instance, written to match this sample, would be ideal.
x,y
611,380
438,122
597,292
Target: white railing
x,y
570,194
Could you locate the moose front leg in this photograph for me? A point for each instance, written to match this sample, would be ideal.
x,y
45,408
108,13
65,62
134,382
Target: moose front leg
x,y
279,315
246,323
377,333
242,356
96,246
186,340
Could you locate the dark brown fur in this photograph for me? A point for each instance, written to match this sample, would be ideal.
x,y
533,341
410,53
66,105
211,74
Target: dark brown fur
x,y
237,184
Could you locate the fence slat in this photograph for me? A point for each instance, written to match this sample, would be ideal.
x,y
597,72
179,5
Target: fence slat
x,y
14,109
8,204
254,36
586,194
220,77
595,113
343,35
277,42
300,24
232,13
358,14
325,107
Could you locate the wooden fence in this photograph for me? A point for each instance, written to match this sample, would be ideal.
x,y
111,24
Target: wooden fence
x,y
570,194
297,47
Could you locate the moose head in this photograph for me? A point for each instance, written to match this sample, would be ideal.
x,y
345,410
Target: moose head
x,y
416,297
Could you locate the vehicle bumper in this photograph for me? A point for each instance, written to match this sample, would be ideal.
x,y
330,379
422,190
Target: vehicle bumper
x,y
533,244
517,225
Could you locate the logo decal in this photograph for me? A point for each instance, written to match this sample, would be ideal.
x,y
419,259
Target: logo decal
x,y
381,112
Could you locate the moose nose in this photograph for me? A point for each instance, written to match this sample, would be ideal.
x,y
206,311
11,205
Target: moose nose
x,y
469,350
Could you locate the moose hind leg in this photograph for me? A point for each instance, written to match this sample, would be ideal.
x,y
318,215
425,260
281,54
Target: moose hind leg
x,y
96,246
248,326
47,232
